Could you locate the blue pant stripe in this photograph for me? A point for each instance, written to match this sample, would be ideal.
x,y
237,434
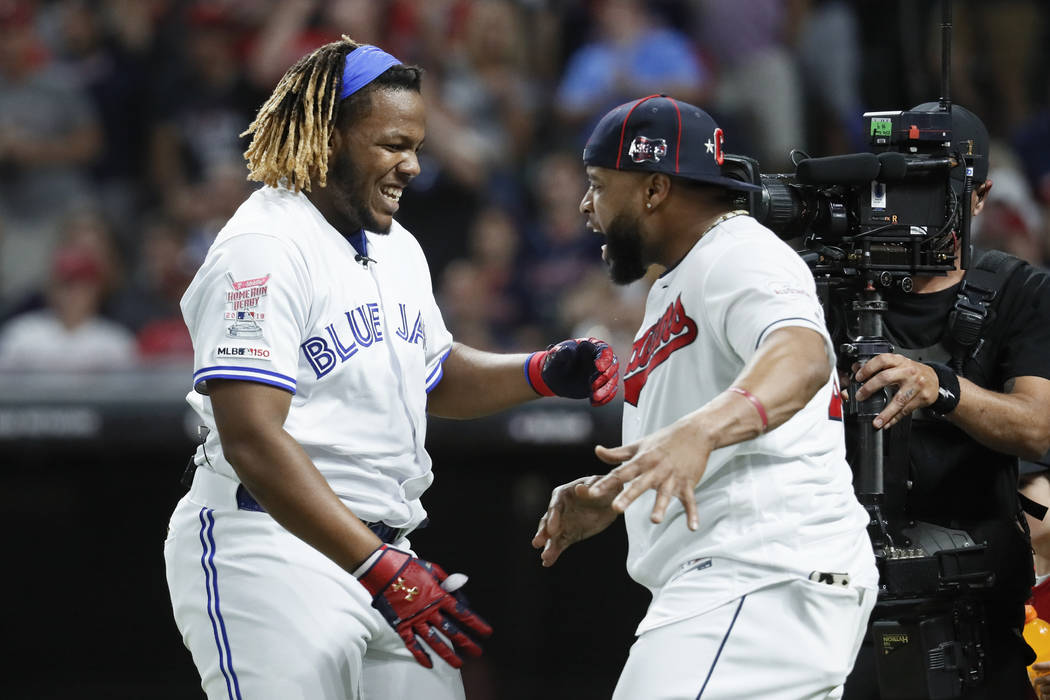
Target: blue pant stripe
x,y
218,612
205,553
720,647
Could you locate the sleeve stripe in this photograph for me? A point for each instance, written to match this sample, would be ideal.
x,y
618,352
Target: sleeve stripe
x,y
243,374
431,385
254,370
439,370
784,321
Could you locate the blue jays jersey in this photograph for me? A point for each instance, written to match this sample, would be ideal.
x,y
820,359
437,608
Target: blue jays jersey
x,y
281,300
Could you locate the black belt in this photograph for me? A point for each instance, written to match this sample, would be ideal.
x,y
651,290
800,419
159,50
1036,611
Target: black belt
x,y
387,533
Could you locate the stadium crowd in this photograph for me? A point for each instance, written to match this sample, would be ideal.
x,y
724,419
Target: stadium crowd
x,y
120,153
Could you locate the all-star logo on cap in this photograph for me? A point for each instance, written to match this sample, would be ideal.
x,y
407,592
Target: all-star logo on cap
x,y
659,134
715,147
643,149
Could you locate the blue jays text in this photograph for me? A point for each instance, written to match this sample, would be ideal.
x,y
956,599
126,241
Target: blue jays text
x,y
361,329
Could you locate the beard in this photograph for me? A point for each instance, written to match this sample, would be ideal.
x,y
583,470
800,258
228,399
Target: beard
x,y
624,250
350,201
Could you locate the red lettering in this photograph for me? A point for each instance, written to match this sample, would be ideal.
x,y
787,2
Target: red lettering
x,y
835,407
672,331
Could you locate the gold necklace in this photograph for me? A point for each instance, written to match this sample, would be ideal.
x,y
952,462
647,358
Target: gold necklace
x,y
724,217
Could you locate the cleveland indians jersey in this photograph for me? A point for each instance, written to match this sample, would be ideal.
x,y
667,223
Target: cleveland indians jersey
x,y
281,300
777,507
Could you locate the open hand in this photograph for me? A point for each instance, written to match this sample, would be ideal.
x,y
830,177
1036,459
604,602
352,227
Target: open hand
x,y
670,461
573,515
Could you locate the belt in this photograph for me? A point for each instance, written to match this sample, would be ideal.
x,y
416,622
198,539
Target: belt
x,y
388,533
216,490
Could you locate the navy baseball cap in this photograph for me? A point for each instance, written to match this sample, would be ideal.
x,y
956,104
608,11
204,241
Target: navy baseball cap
x,y
970,136
662,135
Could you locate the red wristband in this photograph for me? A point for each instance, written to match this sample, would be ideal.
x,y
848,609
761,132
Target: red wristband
x,y
754,402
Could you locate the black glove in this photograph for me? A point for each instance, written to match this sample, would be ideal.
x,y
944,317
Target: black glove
x,y
579,368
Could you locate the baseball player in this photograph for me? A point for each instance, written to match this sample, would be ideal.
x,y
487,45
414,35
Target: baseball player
x,y
739,507
319,349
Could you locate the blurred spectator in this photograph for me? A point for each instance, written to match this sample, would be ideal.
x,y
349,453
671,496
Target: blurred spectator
x,y
107,60
595,306
484,296
49,136
998,49
483,121
1031,141
560,251
419,31
149,305
829,51
83,228
1011,220
758,90
294,28
69,335
136,106
631,55
201,109
459,295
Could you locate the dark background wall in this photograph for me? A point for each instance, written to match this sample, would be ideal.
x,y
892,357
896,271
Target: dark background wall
x,y
91,478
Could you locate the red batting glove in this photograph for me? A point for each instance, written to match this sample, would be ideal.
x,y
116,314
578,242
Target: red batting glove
x,y
408,592
579,368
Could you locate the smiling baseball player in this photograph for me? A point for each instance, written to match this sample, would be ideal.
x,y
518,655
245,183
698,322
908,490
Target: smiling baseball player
x,y
318,351
738,500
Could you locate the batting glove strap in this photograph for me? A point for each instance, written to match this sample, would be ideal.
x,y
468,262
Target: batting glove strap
x,y
579,368
407,592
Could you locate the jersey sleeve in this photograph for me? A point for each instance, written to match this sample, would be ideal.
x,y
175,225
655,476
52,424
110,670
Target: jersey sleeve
x,y
752,292
246,310
439,340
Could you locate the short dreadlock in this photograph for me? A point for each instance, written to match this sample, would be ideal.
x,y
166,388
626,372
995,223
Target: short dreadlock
x,y
290,133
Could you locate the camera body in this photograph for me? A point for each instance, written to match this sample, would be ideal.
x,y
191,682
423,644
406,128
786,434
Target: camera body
x,y
890,212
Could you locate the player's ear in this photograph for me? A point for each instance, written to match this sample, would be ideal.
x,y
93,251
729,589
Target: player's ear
x,y
335,141
657,187
980,196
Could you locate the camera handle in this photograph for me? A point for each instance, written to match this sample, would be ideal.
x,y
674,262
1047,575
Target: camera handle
x,y
870,462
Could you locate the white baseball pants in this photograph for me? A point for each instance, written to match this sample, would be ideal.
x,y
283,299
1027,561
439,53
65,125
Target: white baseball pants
x,y
792,641
267,617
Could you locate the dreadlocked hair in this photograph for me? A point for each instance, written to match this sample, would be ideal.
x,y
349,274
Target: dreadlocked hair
x,y
291,132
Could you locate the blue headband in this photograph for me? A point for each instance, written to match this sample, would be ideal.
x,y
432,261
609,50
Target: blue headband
x,y
363,65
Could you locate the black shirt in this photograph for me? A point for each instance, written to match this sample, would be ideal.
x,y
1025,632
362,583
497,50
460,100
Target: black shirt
x,y
956,481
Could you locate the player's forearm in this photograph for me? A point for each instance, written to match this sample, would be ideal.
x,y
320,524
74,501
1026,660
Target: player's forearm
x,y
1012,423
790,367
477,383
281,477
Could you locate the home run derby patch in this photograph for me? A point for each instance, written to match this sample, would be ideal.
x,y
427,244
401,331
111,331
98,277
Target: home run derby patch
x,y
243,301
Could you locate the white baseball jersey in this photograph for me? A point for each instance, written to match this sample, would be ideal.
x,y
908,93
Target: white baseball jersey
x,y
280,299
771,509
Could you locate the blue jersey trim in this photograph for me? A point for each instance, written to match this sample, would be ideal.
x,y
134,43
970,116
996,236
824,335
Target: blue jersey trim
x,y
437,373
211,585
721,647
525,369
290,380
261,380
440,363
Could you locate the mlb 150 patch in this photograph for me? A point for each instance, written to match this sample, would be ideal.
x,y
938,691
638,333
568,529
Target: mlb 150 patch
x,y
243,352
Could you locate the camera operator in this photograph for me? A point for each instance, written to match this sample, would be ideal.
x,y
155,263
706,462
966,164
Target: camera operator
x,y
966,418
